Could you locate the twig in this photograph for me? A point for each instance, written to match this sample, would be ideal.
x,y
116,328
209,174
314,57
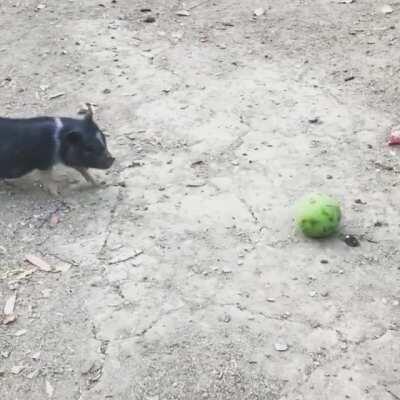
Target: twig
x,y
198,5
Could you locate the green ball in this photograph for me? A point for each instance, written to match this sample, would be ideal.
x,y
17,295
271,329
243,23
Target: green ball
x,y
318,215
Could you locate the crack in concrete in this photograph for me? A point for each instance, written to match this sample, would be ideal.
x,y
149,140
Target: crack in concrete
x,y
118,199
250,210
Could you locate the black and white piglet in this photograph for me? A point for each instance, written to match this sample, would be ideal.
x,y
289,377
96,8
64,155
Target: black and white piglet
x,y
41,143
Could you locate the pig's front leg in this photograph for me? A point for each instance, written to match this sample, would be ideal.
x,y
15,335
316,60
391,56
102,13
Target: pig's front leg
x,y
85,173
48,182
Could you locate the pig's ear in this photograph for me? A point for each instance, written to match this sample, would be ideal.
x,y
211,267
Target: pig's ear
x,y
74,137
87,111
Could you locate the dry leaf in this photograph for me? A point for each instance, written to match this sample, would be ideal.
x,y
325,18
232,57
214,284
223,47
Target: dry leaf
x,y
46,293
63,267
24,274
10,304
38,262
8,319
17,369
49,389
33,374
54,219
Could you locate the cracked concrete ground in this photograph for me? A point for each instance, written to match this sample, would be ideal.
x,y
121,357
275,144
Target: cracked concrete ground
x,y
183,276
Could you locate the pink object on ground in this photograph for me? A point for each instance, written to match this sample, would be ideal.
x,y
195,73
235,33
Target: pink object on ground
x,y
394,137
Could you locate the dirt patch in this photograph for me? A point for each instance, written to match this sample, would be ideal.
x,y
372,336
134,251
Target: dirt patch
x,y
183,277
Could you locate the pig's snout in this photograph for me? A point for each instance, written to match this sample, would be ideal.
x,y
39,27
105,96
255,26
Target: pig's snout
x,y
108,160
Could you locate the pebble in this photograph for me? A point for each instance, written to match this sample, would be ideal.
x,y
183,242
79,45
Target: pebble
x,y
149,19
386,9
182,13
351,241
281,346
226,318
315,120
258,12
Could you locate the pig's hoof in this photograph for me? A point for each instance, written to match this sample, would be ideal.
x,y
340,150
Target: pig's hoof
x,y
52,188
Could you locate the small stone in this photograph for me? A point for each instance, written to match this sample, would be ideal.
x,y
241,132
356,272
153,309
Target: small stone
x,y
271,300
149,19
323,261
281,346
359,201
106,91
183,13
36,356
20,332
96,281
386,9
312,294
196,183
315,120
225,318
315,324
258,12
351,241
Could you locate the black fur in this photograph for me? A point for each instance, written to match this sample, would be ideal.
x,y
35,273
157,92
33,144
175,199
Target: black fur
x,y
40,143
